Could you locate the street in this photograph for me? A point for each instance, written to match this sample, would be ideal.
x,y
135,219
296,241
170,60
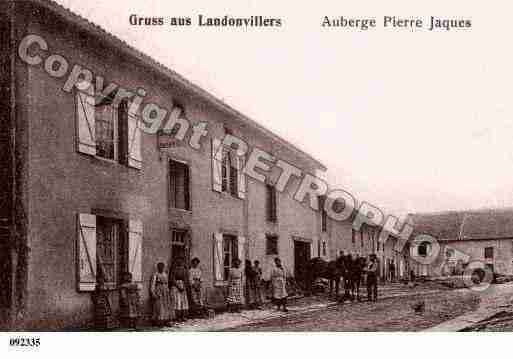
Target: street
x,y
394,313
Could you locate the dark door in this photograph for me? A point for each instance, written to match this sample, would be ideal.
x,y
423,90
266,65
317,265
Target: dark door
x,y
180,246
301,257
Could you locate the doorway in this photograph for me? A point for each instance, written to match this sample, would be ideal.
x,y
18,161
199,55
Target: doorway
x,y
180,246
301,258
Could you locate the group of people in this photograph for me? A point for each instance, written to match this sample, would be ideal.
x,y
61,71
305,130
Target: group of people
x,y
253,291
177,294
357,270
180,294
128,302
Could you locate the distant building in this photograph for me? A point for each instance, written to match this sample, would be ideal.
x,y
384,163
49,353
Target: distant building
x,y
463,237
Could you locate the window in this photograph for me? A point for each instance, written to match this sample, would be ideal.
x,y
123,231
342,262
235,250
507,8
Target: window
x,y
230,252
488,253
179,185
111,253
353,235
361,237
324,249
271,203
423,249
229,173
324,215
271,245
107,247
106,131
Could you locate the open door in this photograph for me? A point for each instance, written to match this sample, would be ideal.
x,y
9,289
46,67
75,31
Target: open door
x,y
301,258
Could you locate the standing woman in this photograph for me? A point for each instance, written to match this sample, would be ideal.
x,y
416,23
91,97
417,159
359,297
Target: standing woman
x,y
197,303
161,299
279,282
250,284
178,280
258,284
235,287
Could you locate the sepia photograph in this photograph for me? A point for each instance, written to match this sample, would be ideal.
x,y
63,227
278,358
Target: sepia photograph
x,y
241,166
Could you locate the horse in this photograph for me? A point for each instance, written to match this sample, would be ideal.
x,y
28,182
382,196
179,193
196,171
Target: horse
x,y
319,268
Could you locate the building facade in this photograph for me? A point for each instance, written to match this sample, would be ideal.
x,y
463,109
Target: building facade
x,y
464,237
88,191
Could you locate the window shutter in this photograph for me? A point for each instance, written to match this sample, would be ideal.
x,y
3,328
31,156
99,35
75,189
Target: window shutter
x,y
86,252
240,249
135,236
134,141
241,185
216,166
85,121
218,258
313,247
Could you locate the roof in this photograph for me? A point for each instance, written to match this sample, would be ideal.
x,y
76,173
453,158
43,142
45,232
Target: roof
x,y
168,73
465,225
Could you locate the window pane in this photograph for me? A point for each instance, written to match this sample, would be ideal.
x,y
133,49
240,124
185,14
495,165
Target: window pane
x,y
104,131
106,231
233,181
178,185
224,172
271,203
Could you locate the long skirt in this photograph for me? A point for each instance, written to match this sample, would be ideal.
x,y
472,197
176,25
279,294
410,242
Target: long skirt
x,y
162,310
197,296
235,291
180,301
253,293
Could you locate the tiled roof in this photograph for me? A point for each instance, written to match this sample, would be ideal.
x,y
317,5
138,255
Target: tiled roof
x,y
116,42
454,225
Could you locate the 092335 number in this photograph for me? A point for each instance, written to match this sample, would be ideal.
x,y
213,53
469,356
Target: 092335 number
x,y
24,342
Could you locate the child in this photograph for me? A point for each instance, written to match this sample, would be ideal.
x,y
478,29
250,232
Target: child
x,y
196,302
129,301
102,308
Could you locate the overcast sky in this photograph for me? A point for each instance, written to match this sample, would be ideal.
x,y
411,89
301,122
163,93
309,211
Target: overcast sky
x,y
407,120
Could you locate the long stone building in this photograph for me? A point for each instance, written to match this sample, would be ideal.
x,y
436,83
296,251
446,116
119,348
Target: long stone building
x,y
85,189
483,236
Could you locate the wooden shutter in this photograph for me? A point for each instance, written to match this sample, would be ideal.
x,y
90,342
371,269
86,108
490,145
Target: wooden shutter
x,y
241,185
218,258
123,132
134,141
86,122
216,166
86,252
135,236
241,244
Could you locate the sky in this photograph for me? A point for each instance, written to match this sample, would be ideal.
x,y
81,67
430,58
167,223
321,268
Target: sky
x,y
408,120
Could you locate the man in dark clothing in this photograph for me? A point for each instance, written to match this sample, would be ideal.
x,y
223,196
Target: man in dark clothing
x,y
392,271
348,262
372,279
